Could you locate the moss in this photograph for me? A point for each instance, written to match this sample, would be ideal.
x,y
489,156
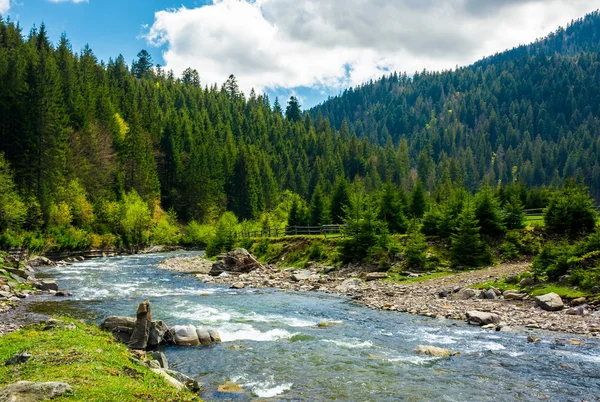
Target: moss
x,y
91,361
563,291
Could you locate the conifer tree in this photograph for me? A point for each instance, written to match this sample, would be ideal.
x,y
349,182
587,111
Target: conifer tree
x,y
416,246
340,200
418,204
293,112
514,213
489,213
467,249
390,209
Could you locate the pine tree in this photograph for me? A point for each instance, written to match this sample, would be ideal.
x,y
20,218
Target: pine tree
x,y
317,208
514,213
416,246
467,249
489,213
418,204
143,66
340,200
293,112
390,210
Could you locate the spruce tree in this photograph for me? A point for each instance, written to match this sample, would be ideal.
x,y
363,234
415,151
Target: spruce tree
x,y
293,112
340,200
416,246
467,249
489,213
390,209
418,204
317,208
514,213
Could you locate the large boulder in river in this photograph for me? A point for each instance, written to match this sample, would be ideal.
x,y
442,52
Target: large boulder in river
x,y
203,336
238,260
26,391
481,318
185,335
550,302
158,332
432,351
141,329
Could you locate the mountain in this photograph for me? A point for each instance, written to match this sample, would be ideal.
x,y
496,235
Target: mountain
x,y
529,114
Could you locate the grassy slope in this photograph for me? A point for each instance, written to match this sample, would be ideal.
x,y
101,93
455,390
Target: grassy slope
x,y
91,361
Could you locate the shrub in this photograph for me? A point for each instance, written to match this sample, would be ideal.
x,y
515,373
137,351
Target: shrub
x,y
466,245
315,253
570,211
224,238
416,246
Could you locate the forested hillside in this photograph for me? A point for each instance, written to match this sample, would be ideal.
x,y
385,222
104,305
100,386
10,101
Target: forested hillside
x,y
529,114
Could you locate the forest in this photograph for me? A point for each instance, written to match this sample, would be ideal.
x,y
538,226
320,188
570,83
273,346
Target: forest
x,y
96,154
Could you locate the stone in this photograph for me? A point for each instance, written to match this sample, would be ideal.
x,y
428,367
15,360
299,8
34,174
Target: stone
x,y
237,260
533,339
158,329
49,285
19,358
578,301
214,335
300,276
5,295
513,295
489,294
512,279
350,284
26,391
113,322
123,334
432,351
443,294
238,285
160,358
185,335
526,282
564,280
375,276
481,318
62,293
595,290
204,336
141,329
549,302
164,374
18,272
231,388
579,310
189,382
467,294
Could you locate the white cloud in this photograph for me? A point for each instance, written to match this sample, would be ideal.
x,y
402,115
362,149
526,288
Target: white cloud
x,y
337,43
4,6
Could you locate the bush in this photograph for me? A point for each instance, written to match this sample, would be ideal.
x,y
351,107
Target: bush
x,y
197,234
416,246
315,253
488,213
224,238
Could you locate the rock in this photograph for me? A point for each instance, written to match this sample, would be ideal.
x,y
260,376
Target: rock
x,y
5,295
350,284
432,351
214,335
481,318
141,329
49,285
62,293
526,282
123,334
18,272
489,294
237,260
578,301
189,382
466,294
238,285
26,391
549,302
497,292
374,276
160,358
230,387
579,310
513,295
19,358
115,321
203,336
512,279
176,384
185,335
533,339
158,329
300,276
564,280
443,294
595,290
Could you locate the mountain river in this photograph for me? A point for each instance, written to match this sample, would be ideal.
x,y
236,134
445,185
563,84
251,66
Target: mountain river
x,y
272,345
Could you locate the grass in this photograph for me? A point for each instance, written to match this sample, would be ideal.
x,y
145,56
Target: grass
x,y
563,291
395,277
90,360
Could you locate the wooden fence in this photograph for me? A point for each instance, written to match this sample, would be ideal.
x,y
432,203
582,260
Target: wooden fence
x,y
294,231
537,214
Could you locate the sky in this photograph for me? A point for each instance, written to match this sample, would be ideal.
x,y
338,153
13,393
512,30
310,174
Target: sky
x,y
308,48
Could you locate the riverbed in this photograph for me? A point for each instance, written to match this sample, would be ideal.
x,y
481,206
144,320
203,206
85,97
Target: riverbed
x,y
275,349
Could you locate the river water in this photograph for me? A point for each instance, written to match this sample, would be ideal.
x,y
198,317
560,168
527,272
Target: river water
x,y
274,349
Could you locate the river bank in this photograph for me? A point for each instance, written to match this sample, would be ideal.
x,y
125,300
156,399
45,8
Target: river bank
x,y
444,297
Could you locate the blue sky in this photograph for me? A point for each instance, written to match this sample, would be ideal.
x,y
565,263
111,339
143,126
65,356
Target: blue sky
x,y
309,48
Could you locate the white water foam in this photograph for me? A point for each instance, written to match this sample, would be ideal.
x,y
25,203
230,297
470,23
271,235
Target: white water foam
x,y
350,344
262,389
418,360
237,332
478,346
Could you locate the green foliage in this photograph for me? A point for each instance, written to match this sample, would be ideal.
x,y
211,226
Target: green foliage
x,y
12,209
570,211
224,238
418,203
416,246
317,208
166,231
196,233
390,209
136,220
340,200
514,213
488,213
466,246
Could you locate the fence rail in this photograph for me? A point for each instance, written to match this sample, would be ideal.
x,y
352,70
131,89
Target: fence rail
x,y
294,230
537,214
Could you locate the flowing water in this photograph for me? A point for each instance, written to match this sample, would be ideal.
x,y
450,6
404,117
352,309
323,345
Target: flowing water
x,y
273,347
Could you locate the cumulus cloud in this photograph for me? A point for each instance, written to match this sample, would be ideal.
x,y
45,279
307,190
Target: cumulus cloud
x,y
338,43
4,6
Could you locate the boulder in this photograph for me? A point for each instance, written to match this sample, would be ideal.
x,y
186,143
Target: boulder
x,y
481,318
19,358
467,294
123,334
375,276
578,301
549,302
350,284
432,351
238,260
489,294
443,294
5,295
513,295
141,330
49,285
164,374
189,382
238,285
158,329
595,290
26,391
185,335
113,322
214,335
300,275
160,358
18,272
204,336
579,310
526,282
